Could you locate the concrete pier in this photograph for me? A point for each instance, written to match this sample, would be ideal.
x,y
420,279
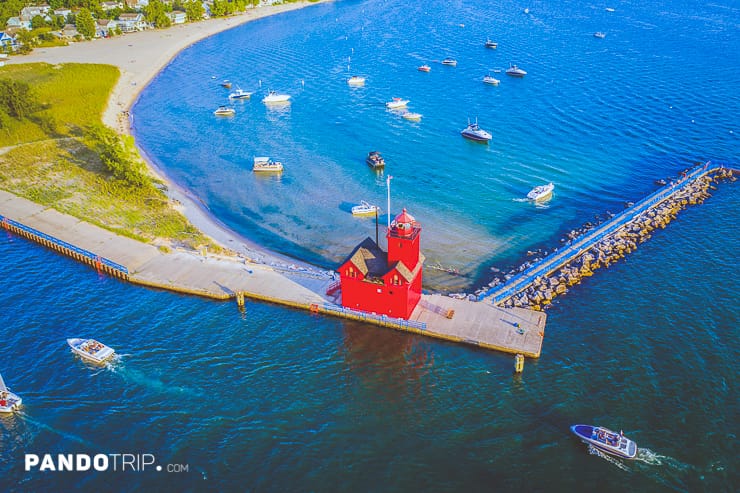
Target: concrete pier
x,y
227,277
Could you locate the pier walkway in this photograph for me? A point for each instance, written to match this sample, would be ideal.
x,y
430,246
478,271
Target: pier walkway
x,y
552,262
513,330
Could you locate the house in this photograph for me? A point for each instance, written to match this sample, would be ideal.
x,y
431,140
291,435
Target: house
x,y
15,23
178,17
385,283
131,22
7,42
106,6
69,31
63,12
103,28
136,4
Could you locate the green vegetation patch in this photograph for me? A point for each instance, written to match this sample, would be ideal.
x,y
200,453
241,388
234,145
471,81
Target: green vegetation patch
x,y
54,151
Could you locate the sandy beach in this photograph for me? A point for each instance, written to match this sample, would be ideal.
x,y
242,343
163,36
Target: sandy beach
x,y
140,57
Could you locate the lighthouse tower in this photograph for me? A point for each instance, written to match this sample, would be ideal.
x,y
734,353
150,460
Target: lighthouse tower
x,y
385,283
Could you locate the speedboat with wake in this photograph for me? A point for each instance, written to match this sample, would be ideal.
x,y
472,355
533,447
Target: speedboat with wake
x,y
541,192
474,132
91,350
9,402
606,440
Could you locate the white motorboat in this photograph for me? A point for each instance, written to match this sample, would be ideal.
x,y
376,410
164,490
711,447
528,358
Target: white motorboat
x,y
356,80
515,71
224,111
91,350
275,97
489,79
606,440
9,401
396,103
265,164
240,94
541,192
414,117
450,61
474,132
364,209
600,35
491,44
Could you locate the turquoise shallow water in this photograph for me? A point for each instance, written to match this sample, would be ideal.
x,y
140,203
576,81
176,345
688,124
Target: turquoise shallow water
x,y
279,400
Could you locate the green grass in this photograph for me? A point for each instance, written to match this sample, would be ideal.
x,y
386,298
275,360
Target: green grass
x,y
54,161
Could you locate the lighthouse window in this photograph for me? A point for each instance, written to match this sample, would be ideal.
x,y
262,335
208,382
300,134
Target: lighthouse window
x,y
396,280
351,272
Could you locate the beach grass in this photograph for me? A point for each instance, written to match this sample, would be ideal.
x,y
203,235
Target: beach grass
x,y
52,157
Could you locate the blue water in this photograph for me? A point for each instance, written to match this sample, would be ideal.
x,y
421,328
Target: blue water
x,y
279,400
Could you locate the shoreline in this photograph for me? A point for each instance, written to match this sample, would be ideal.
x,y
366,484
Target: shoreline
x,y
139,64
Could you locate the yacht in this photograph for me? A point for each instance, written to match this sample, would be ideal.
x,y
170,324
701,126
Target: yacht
x,y
375,160
274,97
9,401
356,80
515,71
606,440
600,35
491,44
265,164
240,94
489,79
396,103
474,132
449,61
541,192
425,68
91,350
224,111
364,209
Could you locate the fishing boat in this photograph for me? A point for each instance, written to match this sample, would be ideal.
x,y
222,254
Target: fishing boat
x,y
364,209
9,401
275,97
396,103
265,164
606,440
375,160
224,111
449,61
541,192
489,79
356,80
474,132
515,71
491,44
424,68
226,84
410,115
91,350
240,94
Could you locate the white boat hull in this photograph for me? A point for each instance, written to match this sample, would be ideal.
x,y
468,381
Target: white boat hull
x,y
91,350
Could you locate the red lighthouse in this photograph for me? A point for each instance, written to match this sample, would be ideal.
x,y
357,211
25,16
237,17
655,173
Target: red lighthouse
x,y
385,283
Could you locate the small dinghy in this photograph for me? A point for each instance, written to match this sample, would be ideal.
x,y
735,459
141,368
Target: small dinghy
x,y
91,350
606,440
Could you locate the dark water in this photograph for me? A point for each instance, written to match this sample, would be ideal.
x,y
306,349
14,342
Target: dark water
x,y
279,400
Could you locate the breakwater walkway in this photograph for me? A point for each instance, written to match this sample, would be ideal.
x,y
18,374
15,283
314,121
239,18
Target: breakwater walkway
x,y
604,244
513,330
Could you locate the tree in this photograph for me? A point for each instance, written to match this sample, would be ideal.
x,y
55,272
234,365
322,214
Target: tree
x,y
116,158
194,10
85,23
156,13
37,22
16,98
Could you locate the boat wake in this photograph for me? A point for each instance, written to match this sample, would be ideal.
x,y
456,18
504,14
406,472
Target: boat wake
x,y
647,456
594,451
520,200
139,378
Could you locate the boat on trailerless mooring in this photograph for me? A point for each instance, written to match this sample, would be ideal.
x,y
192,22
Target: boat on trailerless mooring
x,y
606,440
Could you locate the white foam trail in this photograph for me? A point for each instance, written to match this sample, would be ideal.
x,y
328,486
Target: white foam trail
x,y
647,456
594,451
